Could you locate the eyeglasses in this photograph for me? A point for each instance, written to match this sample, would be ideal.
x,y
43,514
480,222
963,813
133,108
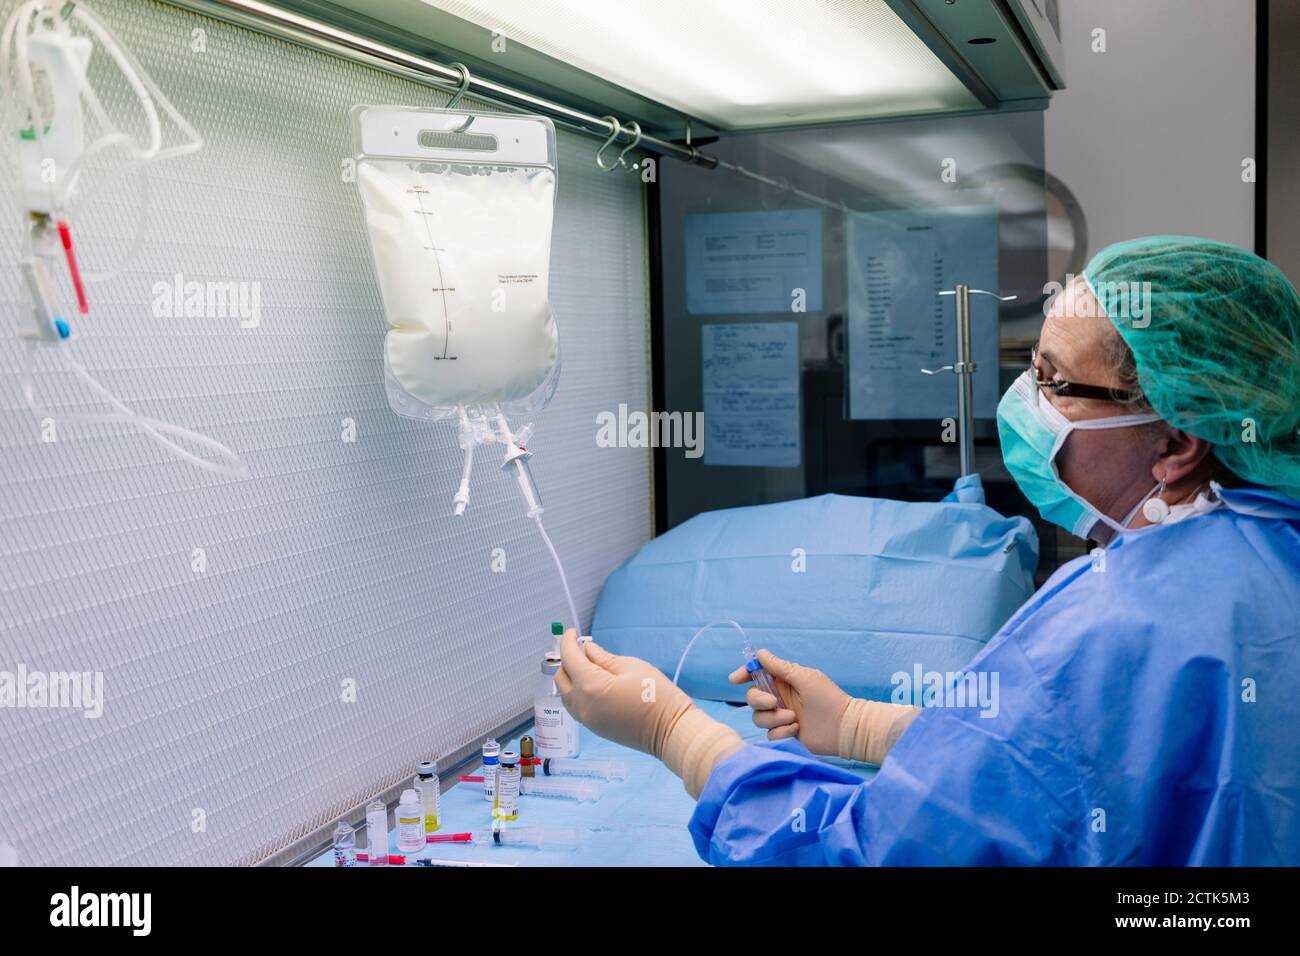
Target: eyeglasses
x,y
1075,390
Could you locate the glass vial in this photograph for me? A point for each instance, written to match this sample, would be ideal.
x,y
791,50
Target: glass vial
x,y
345,845
377,834
491,760
527,756
426,782
506,805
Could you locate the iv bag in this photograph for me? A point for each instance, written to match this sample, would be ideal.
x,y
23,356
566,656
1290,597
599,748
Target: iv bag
x,y
459,207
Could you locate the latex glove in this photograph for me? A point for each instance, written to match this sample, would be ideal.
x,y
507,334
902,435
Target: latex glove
x,y
814,709
623,699
630,702
825,719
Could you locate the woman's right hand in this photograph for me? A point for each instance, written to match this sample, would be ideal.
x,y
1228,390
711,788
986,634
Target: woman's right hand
x,y
814,704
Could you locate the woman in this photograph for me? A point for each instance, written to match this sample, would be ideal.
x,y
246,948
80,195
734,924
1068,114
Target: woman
x,y
1149,707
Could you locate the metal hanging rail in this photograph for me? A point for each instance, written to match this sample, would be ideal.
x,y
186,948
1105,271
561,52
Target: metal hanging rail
x,y
284,24
306,31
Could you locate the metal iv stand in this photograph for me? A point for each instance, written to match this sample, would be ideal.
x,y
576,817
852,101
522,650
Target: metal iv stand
x,y
964,369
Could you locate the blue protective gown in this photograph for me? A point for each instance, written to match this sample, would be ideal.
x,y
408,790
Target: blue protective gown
x,y
1149,713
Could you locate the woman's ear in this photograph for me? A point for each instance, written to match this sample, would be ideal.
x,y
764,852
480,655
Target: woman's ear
x,y
1181,454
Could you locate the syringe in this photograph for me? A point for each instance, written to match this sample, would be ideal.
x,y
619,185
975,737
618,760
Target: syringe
x,y
540,837
761,678
430,861
584,791
571,767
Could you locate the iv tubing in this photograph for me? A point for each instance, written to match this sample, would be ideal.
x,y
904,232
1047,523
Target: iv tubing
x,y
230,466
564,581
536,515
691,643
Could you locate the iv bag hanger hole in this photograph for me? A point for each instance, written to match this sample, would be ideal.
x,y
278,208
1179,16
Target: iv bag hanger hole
x,y
457,139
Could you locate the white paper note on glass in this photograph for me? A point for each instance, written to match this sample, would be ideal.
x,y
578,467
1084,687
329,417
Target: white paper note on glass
x,y
751,394
740,263
898,262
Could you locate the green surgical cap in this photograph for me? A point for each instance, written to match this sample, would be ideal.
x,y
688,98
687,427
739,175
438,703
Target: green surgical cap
x,y
1215,331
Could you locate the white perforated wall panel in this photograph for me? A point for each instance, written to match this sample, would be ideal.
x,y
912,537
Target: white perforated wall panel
x,y
226,616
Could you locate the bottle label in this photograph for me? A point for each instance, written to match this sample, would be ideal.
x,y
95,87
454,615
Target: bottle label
x,y
557,732
506,805
490,781
410,832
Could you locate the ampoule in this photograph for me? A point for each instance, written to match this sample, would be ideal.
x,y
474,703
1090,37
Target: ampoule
x,y
506,806
426,781
491,760
410,822
377,834
345,845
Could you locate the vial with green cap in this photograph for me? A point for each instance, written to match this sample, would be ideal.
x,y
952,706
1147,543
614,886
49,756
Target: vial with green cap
x,y
556,730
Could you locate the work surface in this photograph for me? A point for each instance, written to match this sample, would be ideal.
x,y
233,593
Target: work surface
x,y
640,821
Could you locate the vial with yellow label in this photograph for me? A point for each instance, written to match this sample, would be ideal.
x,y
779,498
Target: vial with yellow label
x,y
506,805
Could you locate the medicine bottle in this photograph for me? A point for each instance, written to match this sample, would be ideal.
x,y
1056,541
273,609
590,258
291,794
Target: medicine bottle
x,y
506,806
491,759
345,845
556,730
410,822
426,781
527,756
377,834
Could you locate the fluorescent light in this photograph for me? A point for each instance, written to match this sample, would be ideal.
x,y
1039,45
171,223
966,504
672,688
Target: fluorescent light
x,y
737,63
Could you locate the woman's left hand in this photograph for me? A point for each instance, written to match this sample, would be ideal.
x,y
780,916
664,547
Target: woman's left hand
x,y
622,699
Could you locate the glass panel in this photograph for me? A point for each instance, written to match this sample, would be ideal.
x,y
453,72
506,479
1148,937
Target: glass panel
x,y
797,320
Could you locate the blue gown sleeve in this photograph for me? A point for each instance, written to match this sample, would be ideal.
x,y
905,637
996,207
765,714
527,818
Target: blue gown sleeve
x,y
986,784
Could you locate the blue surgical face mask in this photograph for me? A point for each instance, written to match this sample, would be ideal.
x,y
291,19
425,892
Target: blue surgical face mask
x,y
1033,432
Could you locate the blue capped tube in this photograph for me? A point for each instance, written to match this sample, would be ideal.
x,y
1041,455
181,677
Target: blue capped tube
x,y
761,678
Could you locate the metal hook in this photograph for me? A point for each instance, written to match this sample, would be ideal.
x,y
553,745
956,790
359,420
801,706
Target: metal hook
x,y
635,127
465,79
1000,298
464,85
614,124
